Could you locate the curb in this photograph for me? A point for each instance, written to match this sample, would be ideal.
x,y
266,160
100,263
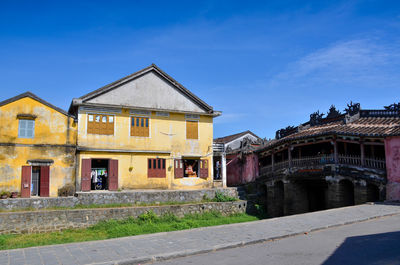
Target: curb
x,y
186,253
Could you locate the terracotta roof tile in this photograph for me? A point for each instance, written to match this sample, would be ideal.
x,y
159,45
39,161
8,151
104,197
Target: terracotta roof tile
x,y
365,126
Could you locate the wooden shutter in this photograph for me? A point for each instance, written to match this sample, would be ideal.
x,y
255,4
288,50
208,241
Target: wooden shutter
x,y
150,168
156,168
178,168
161,169
146,127
204,169
113,175
110,125
192,130
26,174
139,128
86,174
104,126
90,124
44,181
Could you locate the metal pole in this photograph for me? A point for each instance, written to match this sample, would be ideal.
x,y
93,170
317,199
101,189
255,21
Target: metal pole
x,y
223,167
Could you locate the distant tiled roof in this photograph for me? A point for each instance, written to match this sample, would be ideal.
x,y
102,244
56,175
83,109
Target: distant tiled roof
x,y
229,138
364,126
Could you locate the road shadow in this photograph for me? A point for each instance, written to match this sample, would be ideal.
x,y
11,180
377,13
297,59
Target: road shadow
x,y
370,249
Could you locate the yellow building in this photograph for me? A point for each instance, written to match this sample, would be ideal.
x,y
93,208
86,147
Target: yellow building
x,y
144,131
37,146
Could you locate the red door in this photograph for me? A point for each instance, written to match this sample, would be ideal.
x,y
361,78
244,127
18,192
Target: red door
x,y
204,169
178,168
44,181
86,174
113,175
26,181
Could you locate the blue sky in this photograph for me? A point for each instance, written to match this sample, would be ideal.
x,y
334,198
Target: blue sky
x,y
265,64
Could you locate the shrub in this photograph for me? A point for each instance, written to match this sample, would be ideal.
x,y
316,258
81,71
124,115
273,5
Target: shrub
x,y
5,194
67,190
221,197
148,217
206,198
260,211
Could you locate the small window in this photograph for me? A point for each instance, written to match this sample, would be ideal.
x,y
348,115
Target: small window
x,y
140,126
26,128
154,163
192,130
100,125
159,163
162,114
149,163
163,163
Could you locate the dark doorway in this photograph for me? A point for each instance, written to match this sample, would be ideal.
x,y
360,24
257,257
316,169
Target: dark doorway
x,y
279,198
40,181
372,193
99,174
191,168
217,168
35,185
346,192
316,194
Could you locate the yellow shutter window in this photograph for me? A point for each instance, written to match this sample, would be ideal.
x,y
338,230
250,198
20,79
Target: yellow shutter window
x,y
192,130
100,124
140,126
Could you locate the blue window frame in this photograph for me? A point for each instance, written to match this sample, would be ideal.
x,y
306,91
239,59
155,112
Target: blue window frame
x,y
26,128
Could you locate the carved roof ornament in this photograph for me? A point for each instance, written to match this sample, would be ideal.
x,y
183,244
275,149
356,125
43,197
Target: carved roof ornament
x,y
333,112
316,118
393,107
353,108
285,132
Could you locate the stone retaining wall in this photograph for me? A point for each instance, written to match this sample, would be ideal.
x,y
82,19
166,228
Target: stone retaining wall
x,y
55,220
107,197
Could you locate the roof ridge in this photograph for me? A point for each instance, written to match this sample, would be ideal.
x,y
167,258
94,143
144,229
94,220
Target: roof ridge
x,y
181,88
33,96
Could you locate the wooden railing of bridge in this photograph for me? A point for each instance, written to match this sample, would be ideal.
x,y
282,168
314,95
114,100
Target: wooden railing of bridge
x,y
320,160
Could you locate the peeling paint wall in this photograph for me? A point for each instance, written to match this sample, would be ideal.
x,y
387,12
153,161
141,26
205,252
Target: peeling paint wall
x,y
242,170
54,138
167,134
392,152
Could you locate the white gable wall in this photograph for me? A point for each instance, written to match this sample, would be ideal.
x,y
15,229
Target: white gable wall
x,y
235,144
148,91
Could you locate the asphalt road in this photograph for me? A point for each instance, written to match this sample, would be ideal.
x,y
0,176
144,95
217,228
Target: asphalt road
x,y
375,241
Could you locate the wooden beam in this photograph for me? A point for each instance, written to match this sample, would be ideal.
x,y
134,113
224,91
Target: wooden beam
x,y
335,151
272,161
311,143
348,141
374,143
362,152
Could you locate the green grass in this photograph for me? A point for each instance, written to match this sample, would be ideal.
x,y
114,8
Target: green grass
x,y
144,224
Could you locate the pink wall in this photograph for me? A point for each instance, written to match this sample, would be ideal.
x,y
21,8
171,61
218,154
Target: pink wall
x,y
241,171
392,152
